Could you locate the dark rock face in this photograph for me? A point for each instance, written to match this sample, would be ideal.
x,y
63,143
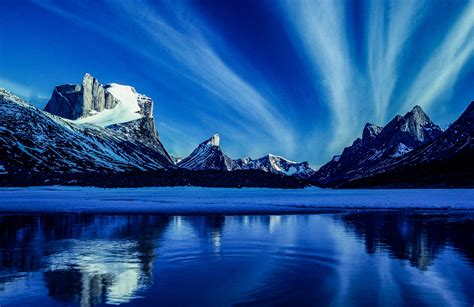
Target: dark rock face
x,y
73,101
144,131
412,130
400,136
370,133
207,156
33,141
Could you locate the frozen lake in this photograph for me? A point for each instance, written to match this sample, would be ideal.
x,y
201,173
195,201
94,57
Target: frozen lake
x,y
221,247
191,200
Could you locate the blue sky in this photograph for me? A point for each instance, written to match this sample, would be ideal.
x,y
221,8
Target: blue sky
x,y
295,78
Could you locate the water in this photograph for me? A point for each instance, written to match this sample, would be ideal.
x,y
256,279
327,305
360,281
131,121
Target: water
x,y
397,257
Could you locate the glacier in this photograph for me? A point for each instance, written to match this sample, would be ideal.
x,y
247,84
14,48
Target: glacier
x,y
193,200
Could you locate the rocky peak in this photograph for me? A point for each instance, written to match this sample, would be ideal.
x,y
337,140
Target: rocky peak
x,y
128,112
207,156
415,121
73,101
369,133
412,129
213,141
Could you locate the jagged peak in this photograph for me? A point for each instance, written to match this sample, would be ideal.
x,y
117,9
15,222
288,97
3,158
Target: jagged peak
x,y
89,78
417,115
272,156
370,131
417,108
213,141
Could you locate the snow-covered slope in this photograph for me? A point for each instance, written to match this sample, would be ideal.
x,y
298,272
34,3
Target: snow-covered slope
x,y
447,161
35,141
207,156
275,164
379,146
126,109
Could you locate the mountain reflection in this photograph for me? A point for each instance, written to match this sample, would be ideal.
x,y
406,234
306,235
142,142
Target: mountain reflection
x,y
415,237
85,259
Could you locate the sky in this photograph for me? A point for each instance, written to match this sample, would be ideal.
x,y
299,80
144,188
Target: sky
x,y
295,78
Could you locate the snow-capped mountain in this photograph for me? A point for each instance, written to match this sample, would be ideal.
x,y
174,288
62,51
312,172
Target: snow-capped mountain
x,y
400,136
275,164
447,160
108,132
113,106
209,156
32,140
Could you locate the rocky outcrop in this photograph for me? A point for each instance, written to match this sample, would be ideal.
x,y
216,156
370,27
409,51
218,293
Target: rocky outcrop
x,y
400,136
132,112
34,141
446,161
73,101
207,156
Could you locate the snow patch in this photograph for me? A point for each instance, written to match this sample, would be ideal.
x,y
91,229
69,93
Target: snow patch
x,y
401,150
126,110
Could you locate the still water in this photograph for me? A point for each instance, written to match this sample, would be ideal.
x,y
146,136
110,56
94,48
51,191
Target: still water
x,y
340,259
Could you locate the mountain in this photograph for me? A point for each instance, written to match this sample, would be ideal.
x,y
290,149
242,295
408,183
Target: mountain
x,y
447,161
207,156
107,138
275,164
32,141
117,107
377,146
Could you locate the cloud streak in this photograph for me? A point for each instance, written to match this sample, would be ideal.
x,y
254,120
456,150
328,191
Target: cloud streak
x,y
359,91
441,69
357,55
319,30
24,91
387,36
195,59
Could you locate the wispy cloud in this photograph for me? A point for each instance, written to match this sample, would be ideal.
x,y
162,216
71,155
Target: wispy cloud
x,y
187,44
390,25
319,27
442,68
24,91
356,93
356,72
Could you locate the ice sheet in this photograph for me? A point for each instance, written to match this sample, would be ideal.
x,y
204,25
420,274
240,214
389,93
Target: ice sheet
x,y
192,200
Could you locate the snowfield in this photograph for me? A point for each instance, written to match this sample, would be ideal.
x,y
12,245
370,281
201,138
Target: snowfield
x,y
126,110
192,200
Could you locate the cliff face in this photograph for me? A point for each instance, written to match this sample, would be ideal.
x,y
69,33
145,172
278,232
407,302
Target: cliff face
x,y
73,101
34,142
112,106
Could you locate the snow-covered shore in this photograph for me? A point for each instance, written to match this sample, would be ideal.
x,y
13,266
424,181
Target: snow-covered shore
x,y
191,200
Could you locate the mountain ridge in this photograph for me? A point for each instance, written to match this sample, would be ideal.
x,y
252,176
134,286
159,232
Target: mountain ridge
x,y
90,128
209,155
